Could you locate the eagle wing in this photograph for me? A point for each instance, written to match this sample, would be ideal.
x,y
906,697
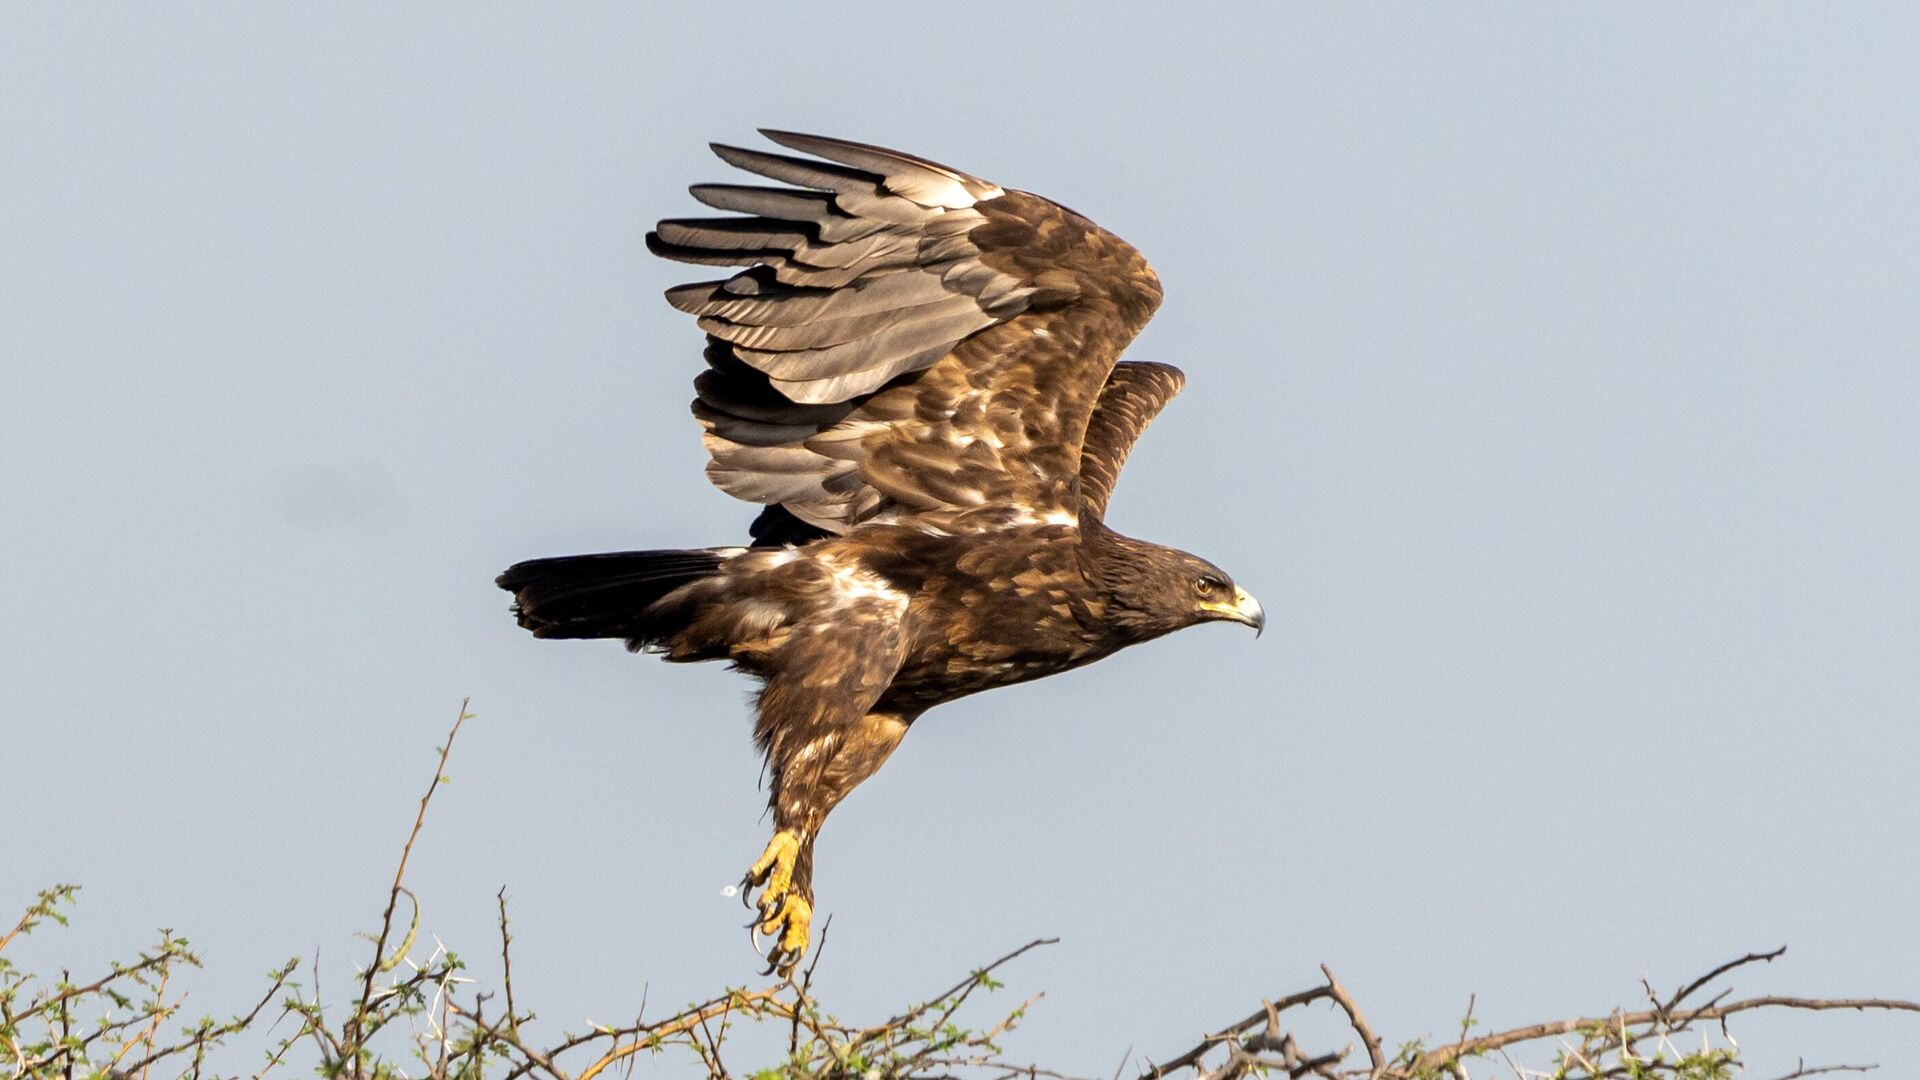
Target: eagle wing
x,y
907,342
1135,393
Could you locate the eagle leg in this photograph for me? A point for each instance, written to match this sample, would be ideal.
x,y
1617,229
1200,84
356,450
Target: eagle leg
x,y
810,777
822,738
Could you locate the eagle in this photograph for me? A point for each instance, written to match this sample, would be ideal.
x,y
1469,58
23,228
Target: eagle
x,y
917,376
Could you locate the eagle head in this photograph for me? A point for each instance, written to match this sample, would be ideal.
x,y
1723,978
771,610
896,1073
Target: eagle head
x,y
1153,590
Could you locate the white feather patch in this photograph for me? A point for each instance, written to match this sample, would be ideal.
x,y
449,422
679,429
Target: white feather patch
x,y
853,584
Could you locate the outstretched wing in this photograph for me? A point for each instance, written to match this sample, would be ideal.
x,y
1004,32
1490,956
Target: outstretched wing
x,y
908,341
1135,393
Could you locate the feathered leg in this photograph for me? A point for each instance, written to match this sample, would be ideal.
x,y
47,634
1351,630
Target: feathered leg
x,y
817,727
812,771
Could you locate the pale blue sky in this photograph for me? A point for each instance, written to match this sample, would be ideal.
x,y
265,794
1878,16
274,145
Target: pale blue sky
x,y
1552,380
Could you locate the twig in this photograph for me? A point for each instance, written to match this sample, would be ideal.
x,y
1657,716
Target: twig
x,y
66,1035
1435,1058
1273,1008
803,998
1666,1009
47,904
1801,1069
1013,1017
277,1054
232,1027
682,1024
1359,1022
867,1034
713,1041
354,1034
146,964
160,1012
506,962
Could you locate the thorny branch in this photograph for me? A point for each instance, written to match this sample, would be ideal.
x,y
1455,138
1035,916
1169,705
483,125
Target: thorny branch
x,y
380,964
1613,1045
42,1033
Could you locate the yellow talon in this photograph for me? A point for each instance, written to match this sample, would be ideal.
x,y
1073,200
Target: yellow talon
x,y
787,924
789,921
799,916
774,867
785,915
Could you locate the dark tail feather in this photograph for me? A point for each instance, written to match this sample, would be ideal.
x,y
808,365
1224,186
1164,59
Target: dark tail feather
x,y
603,596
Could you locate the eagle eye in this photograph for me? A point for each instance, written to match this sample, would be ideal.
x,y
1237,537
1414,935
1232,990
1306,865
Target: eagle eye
x,y
1208,585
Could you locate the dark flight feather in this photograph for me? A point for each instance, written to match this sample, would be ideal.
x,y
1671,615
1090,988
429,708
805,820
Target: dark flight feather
x,y
603,595
967,331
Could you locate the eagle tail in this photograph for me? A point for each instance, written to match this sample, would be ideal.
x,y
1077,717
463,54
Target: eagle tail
x,y
612,595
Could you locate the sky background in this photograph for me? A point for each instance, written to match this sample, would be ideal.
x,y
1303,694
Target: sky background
x,y
1552,380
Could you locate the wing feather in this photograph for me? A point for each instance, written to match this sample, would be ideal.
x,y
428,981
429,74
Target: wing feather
x,y
877,293
784,204
925,182
1135,393
822,332
914,332
906,341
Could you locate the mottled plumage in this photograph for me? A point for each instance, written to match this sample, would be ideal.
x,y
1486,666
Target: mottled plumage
x,y
917,376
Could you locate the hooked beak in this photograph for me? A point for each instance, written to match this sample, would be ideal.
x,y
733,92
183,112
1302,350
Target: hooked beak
x,y
1243,608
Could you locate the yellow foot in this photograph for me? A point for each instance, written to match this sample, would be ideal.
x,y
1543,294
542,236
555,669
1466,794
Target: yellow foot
x,y
774,867
787,925
785,915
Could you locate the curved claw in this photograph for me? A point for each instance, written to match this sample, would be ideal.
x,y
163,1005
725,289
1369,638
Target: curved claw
x,y
774,867
783,914
788,926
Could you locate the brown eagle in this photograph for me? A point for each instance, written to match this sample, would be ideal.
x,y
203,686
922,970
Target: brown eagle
x,y
917,376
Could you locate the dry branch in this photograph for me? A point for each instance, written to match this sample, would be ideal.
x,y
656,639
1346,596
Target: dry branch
x,y
452,1035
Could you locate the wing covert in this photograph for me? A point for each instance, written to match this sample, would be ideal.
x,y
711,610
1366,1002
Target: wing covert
x,y
1135,393
905,341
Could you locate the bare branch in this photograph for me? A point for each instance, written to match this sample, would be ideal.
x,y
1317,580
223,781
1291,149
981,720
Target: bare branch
x,y
1802,1069
1232,1031
506,962
1359,1022
1688,990
454,1040
964,984
355,1035
1437,1058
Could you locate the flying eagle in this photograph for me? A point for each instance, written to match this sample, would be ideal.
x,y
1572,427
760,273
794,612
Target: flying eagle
x,y
917,375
